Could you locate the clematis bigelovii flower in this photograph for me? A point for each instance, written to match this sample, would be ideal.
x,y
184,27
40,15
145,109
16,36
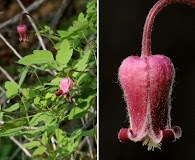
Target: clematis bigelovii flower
x,y
22,29
147,84
65,86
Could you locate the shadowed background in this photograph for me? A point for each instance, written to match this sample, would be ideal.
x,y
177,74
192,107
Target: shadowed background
x,y
121,27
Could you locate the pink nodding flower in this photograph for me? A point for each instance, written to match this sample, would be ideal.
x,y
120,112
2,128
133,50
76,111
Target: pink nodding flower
x,y
147,84
22,29
65,86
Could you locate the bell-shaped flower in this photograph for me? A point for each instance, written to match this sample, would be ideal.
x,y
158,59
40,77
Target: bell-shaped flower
x,y
65,86
22,29
147,85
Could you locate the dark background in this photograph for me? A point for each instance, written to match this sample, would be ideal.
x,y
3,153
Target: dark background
x,y
121,26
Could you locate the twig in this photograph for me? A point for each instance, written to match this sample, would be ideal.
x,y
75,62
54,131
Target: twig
x,y
92,120
82,143
53,143
6,74
33,25
64,5
16,151
13,20
72,157
2,90
10,46
25,127
20,146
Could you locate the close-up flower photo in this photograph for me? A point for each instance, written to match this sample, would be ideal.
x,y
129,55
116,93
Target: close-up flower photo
x,y
147,89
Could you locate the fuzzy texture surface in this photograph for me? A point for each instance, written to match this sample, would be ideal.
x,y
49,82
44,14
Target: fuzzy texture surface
x,y
147,85
22,29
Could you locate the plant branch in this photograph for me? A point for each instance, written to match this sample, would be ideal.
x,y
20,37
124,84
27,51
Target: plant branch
x,y
20,146
10,46
53,143
16,151
6,74
64,5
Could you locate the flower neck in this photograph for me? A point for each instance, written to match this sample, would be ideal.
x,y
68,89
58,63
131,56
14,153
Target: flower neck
x,y
146,41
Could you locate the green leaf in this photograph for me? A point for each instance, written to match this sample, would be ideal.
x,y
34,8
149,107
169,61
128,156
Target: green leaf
x,y
23,76
53,97
74,140
39,57
90,133
32,144
65,45
48,95
84,77
11,89
46,117
1,113
76,134
36,119
14,123
65,53
79,111
80,25
89,94
81,17
10,132
82,63
12,108
39,151
37,100
56,81
60,135
64,154
44,139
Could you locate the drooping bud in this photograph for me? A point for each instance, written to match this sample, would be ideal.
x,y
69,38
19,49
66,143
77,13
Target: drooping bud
x,y
65,86
147,84
22,29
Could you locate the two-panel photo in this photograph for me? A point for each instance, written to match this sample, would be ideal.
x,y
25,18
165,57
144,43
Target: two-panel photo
x,y
97,80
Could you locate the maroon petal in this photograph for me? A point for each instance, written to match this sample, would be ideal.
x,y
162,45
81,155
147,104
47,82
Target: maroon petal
x,y
123,135
58,93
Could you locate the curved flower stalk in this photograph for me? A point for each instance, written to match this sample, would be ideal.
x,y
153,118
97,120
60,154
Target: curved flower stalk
x,y
147,84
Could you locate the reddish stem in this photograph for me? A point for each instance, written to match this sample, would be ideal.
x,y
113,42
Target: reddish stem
x,y
146,41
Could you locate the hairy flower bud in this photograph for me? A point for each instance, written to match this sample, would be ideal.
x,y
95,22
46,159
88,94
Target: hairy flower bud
x,y
22,29
147,85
